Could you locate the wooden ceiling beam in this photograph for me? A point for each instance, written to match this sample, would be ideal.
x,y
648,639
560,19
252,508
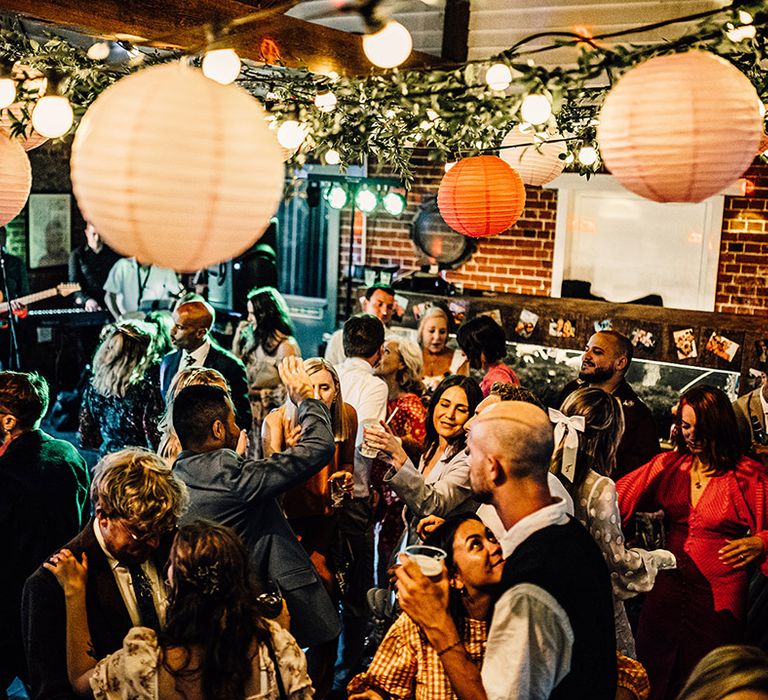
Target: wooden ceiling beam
x,y
180,24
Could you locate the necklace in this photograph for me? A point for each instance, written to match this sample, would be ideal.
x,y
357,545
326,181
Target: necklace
x,y
696,471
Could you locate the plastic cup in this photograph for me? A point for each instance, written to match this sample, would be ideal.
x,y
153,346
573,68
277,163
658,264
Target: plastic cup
x,y
364,449
429,559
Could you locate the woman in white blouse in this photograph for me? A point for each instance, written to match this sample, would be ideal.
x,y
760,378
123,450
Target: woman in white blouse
x,y
588,429
440,484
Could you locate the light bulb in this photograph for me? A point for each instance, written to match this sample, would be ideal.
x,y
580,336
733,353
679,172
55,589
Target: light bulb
x,y
325,101
587,155
569,159
738,34
761,108
394,203
449,165
221,65
337,197
745,17
388,47
7,92
366,200
332,157
291,134
498,76
536,108
52,116
98,51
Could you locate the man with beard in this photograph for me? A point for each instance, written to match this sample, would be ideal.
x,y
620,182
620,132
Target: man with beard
x,y
42,502
604,365
552,631
137,502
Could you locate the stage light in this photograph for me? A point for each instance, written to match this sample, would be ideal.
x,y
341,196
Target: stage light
x,y
337,197
366,200
394,203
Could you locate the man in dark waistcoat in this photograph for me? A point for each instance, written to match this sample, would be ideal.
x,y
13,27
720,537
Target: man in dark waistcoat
x,y
552,633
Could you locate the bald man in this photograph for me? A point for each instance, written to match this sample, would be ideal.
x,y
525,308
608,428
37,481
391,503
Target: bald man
x,y
191,335
552,633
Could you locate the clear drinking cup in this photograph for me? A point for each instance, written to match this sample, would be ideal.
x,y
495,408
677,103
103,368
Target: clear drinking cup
x,y
429,559
363,447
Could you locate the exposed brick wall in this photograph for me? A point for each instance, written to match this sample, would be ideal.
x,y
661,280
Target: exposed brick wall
x,y
520,259
742,280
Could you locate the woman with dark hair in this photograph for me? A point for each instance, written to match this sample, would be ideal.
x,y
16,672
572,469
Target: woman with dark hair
x,y
122,403
261,343
485,345
588,429
714,501
215,645
405,664
440,485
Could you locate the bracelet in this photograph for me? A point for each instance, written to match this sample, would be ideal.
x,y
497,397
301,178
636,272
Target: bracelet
x,y
457,643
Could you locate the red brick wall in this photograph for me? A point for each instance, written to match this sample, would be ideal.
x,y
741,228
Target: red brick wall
x,y
520,259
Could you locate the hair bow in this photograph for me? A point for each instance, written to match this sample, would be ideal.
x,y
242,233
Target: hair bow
x,y
567,427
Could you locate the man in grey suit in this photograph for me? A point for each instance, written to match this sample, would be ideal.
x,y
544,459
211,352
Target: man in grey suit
x,y
191,335
243,493
751,410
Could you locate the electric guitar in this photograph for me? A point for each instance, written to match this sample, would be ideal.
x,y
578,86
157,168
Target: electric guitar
x,y
64,290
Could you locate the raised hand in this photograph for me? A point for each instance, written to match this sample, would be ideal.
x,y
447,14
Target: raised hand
x,y
71,574
296,379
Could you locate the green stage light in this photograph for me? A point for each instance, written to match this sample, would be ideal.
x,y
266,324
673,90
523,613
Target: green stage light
x,y
336,197
394,203
366,200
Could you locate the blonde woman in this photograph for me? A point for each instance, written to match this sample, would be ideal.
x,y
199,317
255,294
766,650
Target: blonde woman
x,y
122,403
169,442
437,358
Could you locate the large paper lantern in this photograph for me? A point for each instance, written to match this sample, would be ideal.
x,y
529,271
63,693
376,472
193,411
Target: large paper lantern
x,y
176,169
680,128
32,82
15,178
538,162
481,196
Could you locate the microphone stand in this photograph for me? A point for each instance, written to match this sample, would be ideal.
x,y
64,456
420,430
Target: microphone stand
x,y
14,359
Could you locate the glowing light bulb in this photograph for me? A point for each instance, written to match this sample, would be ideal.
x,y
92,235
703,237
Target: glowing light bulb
x,y
337,197
498,77
394,203
738,34
366,200
745,17
221,65
7,92
98,51
587,155
536,109
291,134
332,157
761,107
52,116
325,101
569,159
388,47
448,166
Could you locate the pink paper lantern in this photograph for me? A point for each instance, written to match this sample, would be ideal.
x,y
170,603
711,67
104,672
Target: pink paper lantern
x,y
680,128
15,178
177,169
537,163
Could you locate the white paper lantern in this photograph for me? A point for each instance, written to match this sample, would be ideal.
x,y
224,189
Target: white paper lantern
x,y
537,164
176,169
33,81
15,178
680,128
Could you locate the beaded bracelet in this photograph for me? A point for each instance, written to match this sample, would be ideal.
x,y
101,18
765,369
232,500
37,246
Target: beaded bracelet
x,y
457,643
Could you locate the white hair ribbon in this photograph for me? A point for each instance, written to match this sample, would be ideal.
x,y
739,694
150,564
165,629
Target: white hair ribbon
x,y
570,427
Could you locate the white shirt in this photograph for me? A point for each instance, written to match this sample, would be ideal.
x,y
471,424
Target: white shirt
x,y
124,584
198,356
334,351
367,394
126,277
530,640
764,404
487,513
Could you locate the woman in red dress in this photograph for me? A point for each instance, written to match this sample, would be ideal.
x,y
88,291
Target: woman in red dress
x,y
714,501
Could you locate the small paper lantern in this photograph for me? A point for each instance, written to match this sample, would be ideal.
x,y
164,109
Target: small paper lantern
x,y
481,196
537,163
15,178
176,169
33,80
680,128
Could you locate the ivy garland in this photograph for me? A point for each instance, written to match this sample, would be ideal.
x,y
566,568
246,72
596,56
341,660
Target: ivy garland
x,y
450,112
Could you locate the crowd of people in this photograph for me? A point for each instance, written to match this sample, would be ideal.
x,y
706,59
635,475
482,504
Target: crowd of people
x,y
251,529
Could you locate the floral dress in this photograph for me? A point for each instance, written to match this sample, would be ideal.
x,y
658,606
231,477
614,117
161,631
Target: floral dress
x,y
409,425
633,570
131,673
